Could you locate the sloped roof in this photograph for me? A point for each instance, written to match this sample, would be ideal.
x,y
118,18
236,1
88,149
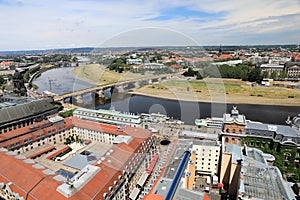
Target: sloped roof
x,y
24,110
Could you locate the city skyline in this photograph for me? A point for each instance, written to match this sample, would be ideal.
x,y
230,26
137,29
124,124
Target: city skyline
x,y
67,24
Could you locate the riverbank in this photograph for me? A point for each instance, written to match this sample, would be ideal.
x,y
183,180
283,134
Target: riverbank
x,y
221,91
207,90
98,74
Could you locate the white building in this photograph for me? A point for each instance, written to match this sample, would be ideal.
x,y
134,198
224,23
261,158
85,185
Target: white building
x,y
109,117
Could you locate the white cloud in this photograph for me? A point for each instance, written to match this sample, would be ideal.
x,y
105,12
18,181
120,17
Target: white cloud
x,y
33,24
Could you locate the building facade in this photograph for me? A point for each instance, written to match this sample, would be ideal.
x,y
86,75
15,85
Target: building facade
x,y
113,176
233,127
22,112
109,117
207,157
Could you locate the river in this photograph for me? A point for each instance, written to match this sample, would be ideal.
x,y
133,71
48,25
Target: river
x,y
187,111
62,81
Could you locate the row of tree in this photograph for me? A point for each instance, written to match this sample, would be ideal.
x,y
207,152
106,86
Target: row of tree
x,y
241,71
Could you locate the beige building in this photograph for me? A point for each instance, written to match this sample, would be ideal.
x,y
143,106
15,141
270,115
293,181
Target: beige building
x,y
230,168
293,69
207,157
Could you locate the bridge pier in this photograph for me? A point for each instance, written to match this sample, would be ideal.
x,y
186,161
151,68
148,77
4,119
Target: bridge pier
x,y
137,84
78,99
100,94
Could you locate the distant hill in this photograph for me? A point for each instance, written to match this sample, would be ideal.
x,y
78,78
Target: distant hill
x,y
89,49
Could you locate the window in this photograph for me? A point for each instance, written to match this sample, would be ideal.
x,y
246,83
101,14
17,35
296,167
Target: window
x,y
226,140
105,195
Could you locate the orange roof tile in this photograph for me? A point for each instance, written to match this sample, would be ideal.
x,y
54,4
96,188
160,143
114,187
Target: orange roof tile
x,y
151,196
25,178
96,126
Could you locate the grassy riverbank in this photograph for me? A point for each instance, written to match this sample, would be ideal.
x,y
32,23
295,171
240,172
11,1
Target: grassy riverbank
x,y
98,74
206,90
223,91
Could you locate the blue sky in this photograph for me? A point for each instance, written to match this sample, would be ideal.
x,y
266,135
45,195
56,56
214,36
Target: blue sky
x,y
31,24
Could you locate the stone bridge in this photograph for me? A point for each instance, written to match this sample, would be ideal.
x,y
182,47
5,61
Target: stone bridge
x,y
121,87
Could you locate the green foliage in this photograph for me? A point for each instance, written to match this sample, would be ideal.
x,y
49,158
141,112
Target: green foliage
x,y
190,72
273,75
199,76
67,113
282,74
2,80
255,75
29,72
56,58
3,87
173,62
287,167
118,64
265,74
211,71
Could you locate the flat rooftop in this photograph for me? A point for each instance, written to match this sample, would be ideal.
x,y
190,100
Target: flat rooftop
x,y
163,185
96,149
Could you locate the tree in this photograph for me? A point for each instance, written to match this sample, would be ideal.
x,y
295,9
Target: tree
x,y
282,74
273,75
255,75
199,76
190,72
2,80
265,74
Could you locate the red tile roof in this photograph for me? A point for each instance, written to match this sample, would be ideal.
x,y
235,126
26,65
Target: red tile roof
x,y
25,178
226,56
106,128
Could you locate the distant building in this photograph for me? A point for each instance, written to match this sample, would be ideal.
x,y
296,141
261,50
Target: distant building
x,y
213,122
293,70
134,61
272,68
154,66
18,84
230,63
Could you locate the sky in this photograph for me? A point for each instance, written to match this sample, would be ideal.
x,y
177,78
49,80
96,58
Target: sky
x,y
46,24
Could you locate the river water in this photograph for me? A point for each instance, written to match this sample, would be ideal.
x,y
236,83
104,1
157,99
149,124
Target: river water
x,y
187,111
62,81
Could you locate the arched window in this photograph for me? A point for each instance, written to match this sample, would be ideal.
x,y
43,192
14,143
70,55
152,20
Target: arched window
x,y
233,130
226,140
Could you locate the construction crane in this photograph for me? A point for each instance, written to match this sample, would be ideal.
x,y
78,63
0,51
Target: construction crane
x,y
50,85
